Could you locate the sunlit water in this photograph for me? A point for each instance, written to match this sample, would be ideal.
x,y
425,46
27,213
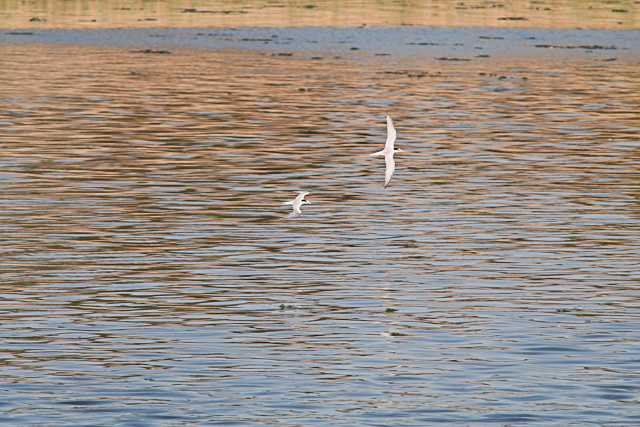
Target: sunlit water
x,y
149,275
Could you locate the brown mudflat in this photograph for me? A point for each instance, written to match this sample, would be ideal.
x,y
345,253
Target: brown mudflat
x,y
592,14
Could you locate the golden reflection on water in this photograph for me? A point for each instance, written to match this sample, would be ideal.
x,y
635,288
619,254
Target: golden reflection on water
x,y
100,140
143,240
616,14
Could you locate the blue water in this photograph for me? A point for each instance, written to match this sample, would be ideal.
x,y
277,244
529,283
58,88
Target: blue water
x,y
149,275
397,42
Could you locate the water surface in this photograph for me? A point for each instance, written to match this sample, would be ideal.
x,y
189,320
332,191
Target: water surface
x,y
149,275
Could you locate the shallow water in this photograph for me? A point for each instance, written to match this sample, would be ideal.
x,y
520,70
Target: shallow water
x,y
149,275
396,46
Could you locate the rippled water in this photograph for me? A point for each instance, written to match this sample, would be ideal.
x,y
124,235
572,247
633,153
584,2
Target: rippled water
x,y
149,275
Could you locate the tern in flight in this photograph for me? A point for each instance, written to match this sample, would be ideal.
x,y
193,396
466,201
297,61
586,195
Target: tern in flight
x,y
388,152
297,203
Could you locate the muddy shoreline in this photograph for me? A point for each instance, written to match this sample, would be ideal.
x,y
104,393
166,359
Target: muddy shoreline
x,y
103,14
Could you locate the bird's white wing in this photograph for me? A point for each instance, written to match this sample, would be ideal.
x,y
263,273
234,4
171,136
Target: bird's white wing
x,y
300,197
391,136
390,168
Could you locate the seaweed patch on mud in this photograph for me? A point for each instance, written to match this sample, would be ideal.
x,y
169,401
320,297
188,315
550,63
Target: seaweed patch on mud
x,y
570,46
452,58
152,52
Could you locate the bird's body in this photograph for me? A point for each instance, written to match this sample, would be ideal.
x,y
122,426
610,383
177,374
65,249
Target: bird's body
x,y
297,203
388,152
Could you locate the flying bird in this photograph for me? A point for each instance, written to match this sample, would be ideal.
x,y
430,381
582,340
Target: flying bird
x,y
297,203
388,152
